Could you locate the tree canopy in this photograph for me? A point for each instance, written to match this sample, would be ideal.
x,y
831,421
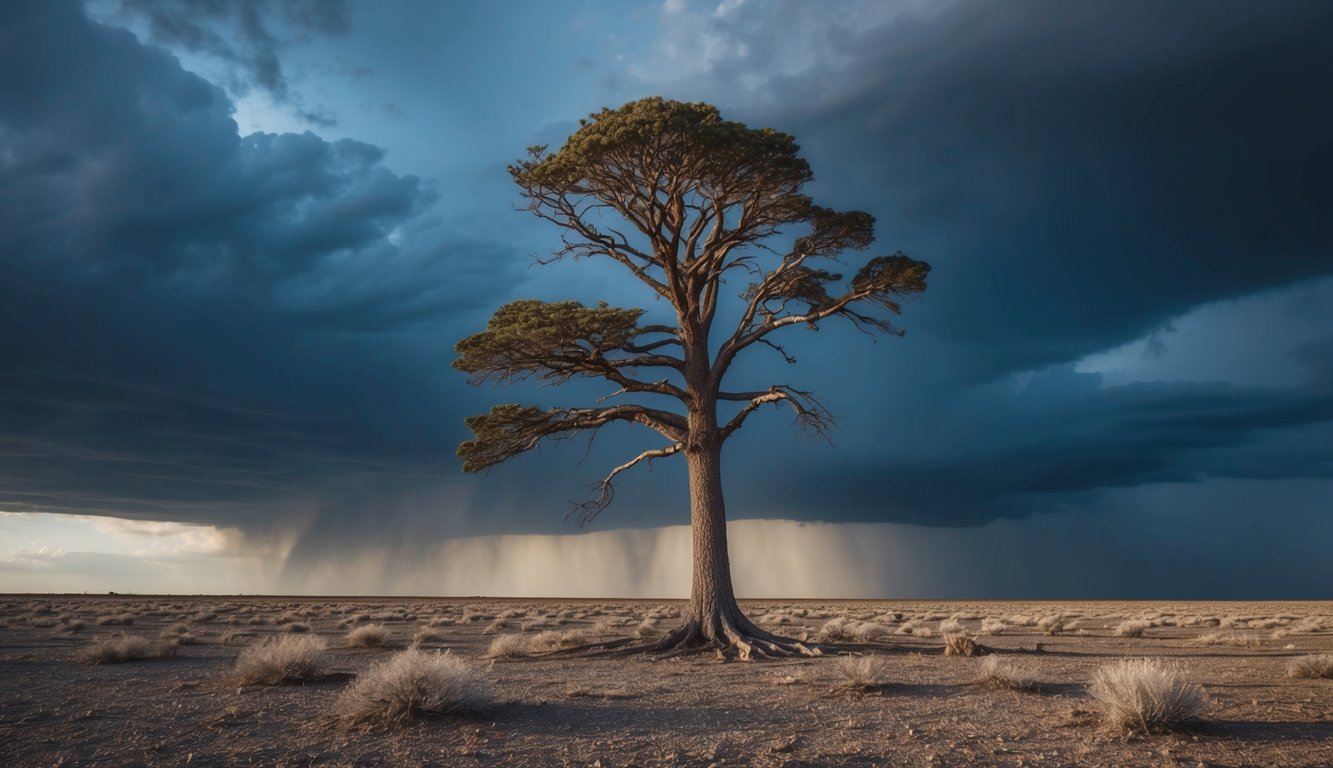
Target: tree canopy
x,y
681,198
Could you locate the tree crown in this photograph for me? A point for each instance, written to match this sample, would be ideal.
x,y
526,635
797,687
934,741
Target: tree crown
x,y
679,197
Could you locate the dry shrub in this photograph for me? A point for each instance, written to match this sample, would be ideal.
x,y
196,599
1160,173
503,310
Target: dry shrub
x,y
119,649
543,642
123,619
1240,640
1051,625
1313,666
837,630
1008,672
507,647
369,636
869,632
862,673
409,685
427,635
1145,695
282,660
298,627
951,627
958,644
648,628
1131,628
495,626
993,627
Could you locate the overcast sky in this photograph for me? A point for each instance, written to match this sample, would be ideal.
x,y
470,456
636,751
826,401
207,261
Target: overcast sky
x,y
239,240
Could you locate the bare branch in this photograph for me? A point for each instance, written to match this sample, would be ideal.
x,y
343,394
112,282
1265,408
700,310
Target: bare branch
x,y
810,413
606,490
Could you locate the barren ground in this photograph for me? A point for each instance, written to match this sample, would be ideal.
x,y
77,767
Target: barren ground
x,y
924,709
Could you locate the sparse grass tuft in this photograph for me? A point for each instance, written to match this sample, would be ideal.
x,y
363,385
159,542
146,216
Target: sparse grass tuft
x,y
1144,695
837,630
1313,666
1131,628
119,649
507,647
426,635
862,673
368,636
282,660
1008,672
409,685
1238,639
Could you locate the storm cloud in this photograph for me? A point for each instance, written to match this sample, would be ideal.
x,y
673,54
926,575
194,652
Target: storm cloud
x,y
1125,206
198,324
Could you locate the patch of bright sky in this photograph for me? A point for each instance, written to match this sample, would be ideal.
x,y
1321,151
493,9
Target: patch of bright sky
x,y
1252,340
60,553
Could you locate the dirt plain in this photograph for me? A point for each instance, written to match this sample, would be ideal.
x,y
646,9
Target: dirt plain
x,y
923,709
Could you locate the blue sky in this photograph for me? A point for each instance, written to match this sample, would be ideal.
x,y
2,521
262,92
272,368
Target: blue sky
x,y
238,242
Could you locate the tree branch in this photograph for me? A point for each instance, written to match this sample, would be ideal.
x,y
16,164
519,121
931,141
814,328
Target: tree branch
x,y
606,490
511,429
810,413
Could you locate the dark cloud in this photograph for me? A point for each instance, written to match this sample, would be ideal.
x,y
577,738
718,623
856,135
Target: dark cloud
x,y
1064,437
202,326
207,327
1079,176
247,35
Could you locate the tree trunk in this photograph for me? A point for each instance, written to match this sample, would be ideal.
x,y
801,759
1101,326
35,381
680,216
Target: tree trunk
x,y
712,600
713,619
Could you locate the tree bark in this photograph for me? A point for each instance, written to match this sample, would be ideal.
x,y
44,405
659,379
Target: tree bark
x,y
712,599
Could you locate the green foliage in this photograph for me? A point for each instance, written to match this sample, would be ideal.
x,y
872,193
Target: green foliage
x,y
508,430
556,340
884,277
679,197
650,137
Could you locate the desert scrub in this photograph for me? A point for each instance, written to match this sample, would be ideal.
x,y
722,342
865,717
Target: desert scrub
x,y
507,647
951,627
1131,628
369,636
962,645
282,660
409,685
1145,695
837,630
119,649
1313,666
861,673
1008,672
1238,639
426,635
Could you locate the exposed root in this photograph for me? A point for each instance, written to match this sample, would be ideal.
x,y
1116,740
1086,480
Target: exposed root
x,y
729,638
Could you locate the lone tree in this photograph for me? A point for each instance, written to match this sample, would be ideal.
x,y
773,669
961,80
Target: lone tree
x,y
682,199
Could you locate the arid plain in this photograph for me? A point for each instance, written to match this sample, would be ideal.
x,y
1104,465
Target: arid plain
x,y
137,680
